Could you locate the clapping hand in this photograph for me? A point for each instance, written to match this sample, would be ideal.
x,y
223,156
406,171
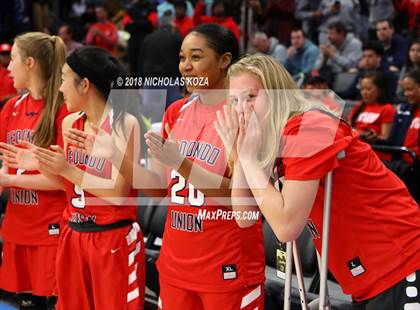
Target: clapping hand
x,y
19,157
165,151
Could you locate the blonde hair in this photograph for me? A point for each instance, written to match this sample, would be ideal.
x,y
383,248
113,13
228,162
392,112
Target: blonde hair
x,y
284,100
50,54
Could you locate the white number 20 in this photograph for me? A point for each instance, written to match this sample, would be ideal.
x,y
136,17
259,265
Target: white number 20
x,y
195,197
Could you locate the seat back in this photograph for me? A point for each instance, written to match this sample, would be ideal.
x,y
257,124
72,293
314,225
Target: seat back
x,y
342,81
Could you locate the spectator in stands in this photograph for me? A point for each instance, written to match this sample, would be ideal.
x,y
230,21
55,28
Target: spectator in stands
x,y
344,11
316,88
412,63
7,90
14,18
373,116
66,34
412,8
407,129
301,55
308,14
218,10
103,33
276,17
159,57
314,82
371,61
379,10
183,22
138,21
269,46
169,5
341,53
395,46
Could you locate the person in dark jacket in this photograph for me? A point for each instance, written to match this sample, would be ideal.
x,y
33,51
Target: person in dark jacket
x,y
138,27
395,46
159,58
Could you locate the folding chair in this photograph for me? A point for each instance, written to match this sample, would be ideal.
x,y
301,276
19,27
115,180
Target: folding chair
x,y
322,303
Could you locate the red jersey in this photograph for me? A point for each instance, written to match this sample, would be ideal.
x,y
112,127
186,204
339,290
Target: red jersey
x,y
374,237
411,140
110,31
184,25
226,22
33,216
6,84
373,116
412,7
208,255
83,207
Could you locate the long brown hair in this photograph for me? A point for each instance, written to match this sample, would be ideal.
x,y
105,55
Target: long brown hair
x,y
284,100
50,54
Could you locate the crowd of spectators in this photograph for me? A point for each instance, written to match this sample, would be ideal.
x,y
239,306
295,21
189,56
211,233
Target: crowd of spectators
x,y
319,39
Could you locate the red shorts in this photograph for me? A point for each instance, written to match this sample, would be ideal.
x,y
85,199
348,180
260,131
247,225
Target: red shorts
x,y
28,268
101,270
247,298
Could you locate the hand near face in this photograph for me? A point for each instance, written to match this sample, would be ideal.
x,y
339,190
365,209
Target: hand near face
x,y
329,51
227,127
250,135
291,51
165,151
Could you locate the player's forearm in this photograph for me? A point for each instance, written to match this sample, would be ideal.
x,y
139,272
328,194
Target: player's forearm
x,y
272,204
145,180
242,198
210,184
35,181
115,190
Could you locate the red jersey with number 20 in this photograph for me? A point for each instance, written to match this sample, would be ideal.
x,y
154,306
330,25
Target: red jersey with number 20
x,y
208,254
84,207
33,216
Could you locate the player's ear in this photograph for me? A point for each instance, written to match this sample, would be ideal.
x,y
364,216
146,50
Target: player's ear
x,y
85,85
30,62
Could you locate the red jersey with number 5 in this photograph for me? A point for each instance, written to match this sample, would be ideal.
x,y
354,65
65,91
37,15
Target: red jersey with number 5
x,y
33,216
84,207
203,247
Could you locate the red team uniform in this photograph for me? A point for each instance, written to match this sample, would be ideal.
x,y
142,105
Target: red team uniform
x,y
185,25
374,232
373,116
106,267
33,220
110,30
412,139
205,262
6,84
227,22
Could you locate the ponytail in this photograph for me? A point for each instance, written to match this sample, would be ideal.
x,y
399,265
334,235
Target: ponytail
x,y
50,53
